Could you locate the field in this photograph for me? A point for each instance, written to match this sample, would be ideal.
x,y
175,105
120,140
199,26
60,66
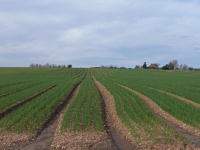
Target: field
x,y
80,108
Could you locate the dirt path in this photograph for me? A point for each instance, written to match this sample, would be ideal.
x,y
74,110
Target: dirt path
x,y
43,137
80,140
115,124
179,97
189,132
48,127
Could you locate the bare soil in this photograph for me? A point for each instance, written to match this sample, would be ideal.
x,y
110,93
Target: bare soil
x,y
113,118
10,141
42,138
80,140
190,133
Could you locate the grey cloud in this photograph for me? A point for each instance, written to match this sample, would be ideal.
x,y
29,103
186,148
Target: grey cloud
x,y
63,31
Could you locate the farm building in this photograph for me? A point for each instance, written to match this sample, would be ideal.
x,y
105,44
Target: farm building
x,y
153,66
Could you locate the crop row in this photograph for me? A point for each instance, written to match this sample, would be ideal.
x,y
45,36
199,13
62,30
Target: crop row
x,y
177,108
183,84
40,107
84,112
138,118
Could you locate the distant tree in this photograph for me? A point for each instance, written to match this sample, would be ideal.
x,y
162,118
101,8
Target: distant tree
x,y
190,68
173,64
181,67
46,65
32,65
137,67
111,66
102,66
54,66
144,65
63,66
69,66
185,67
165,67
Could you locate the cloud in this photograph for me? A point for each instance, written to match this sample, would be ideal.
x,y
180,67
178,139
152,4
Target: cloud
x,y
89,33
196,48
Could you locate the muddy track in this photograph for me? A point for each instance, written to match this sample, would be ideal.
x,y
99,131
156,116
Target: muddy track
x,y
51,117
179,97
18,104
44,134
43,137
56,134
190,133
115,139
119,134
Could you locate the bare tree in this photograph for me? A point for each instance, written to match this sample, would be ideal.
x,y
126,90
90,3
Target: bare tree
x,y
181,67
173,64
32,65
185,67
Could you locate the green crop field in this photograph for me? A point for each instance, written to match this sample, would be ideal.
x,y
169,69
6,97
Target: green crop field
x,y
32,98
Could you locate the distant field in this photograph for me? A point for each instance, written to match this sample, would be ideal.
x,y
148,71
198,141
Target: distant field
x,y
149,108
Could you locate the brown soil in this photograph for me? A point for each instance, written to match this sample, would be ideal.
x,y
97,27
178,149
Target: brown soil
x,y
10,141
125,134
42,138
112,116
80,140
172,121
43,141
51,117
179,97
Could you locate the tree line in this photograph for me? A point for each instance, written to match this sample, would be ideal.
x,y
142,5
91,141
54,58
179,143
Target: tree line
x,y
47,65
172,65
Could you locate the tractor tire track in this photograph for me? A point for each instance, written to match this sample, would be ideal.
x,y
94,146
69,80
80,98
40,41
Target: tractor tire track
x,y
43,137
118,132
45,133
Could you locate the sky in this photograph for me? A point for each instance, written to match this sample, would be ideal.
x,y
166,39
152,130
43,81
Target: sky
x,y
99,32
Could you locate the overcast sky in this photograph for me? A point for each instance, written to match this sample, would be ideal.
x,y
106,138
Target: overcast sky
x,y
88,33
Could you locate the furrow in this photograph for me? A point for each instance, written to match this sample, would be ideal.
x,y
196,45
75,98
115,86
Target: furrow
x,y
18,104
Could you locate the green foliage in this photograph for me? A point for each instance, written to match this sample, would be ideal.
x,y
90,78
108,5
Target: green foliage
x,y
130,108
22,118
85,110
